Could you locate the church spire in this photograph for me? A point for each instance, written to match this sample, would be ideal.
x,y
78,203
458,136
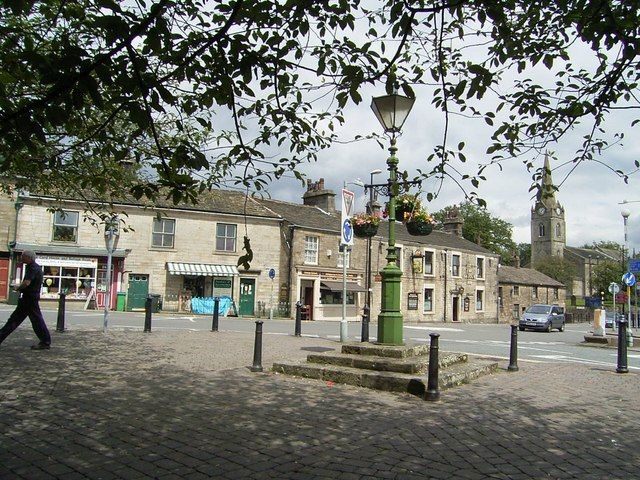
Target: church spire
x,y
547,192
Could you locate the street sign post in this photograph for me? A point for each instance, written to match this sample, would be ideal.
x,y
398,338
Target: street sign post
x,y
629,280
614,288
346,240
272,275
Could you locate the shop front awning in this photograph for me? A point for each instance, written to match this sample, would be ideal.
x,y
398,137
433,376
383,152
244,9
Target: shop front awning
x,y
202,269
337,286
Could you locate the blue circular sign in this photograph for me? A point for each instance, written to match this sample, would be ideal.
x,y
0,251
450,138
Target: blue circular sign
x,y
629,279
272,273
347,231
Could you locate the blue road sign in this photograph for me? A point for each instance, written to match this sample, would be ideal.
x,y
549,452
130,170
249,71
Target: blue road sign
x,y
634,265
347,232
272,273
629,279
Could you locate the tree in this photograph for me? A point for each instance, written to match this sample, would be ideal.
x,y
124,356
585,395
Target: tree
x,y
604,273
557,268
484,229
200,93
606,245
524,252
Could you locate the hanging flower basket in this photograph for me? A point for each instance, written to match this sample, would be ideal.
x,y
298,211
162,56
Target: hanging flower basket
x,y
365,230
419,223
417,227
365,225
406,205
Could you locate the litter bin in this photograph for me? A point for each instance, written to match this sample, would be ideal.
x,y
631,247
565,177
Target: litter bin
x,y
156,302
121,301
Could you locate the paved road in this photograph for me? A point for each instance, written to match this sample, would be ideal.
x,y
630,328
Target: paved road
x,y
183,405
481,339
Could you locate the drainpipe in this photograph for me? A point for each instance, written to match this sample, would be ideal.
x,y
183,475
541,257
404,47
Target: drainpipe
x,y
292,229
18,204
446,297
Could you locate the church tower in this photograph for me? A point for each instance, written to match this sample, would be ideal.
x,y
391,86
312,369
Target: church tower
x,y
548,234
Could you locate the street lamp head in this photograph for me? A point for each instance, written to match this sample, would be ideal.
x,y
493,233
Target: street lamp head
x,y
392,111
112,233
625,213
375,172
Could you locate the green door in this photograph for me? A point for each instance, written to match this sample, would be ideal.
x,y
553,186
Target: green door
x,y
138,290
247,296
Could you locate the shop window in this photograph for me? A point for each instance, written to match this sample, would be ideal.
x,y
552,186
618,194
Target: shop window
x,y
311,250
341,256
330,297
226,237
428,300
65,226
75,282
163,232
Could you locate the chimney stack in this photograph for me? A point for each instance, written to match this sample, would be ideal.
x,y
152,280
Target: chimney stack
x,y
453,222
317,196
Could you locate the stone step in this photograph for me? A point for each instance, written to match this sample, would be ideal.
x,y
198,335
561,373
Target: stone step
x,y
415,364
389,381
393,351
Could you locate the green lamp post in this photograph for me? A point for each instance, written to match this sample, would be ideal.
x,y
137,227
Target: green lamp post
x,y
391,111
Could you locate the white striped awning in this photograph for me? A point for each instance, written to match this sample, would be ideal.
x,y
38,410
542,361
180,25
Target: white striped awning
x,y
202,269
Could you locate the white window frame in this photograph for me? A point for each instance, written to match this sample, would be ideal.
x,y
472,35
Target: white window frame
x,y
433,297
482,299
480,258
311,249
459,255
433,262
163,233
65,214
225,237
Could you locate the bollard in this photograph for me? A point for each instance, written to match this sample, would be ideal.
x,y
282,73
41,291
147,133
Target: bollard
x,y
513,353
622,347
61,305
147,315
257,349
216,307
364,336
432,394
298,327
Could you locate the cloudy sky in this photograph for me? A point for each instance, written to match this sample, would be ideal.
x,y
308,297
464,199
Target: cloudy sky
x,y
591,194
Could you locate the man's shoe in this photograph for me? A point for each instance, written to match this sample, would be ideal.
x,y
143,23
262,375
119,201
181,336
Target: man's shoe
x,y
40,346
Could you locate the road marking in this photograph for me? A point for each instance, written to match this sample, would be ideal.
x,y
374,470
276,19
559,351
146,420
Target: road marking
x,y
439,329
584,361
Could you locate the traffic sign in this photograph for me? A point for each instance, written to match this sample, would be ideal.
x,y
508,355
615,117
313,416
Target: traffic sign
x,y
629,279
348,203
272,273
614,287
634,265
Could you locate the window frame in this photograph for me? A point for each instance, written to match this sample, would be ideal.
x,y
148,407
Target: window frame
x,y
346,252
432,253
225,238
480,259
426,288
541,230
459,265
313,251
163,233
482,298
75,228
515,291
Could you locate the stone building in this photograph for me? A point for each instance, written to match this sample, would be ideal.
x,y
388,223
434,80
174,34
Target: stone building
x,y
521,287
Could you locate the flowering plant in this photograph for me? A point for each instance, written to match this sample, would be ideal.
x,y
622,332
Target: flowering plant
x,y
360,219
420,215
405,205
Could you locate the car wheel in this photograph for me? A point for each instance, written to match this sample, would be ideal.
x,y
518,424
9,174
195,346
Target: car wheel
x,y
521,329
549,327
561,329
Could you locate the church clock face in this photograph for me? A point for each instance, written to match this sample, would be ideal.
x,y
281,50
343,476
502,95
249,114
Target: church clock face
x,y
558,210
541,210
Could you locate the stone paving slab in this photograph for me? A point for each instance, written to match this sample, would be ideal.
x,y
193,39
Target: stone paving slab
x,y
183,405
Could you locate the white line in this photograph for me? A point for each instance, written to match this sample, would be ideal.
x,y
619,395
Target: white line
x,y
439,329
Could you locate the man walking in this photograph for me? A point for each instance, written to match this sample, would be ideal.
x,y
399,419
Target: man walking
x,y
29,304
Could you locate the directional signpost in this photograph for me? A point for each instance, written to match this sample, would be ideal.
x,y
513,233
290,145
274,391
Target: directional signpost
x,y
272,275
629,280
614,288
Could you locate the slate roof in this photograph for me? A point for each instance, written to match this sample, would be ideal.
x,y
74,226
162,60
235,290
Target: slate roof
x,y
311,217
585,253
525,276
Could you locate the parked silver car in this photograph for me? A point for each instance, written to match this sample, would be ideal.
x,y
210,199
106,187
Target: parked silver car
x,y
542,317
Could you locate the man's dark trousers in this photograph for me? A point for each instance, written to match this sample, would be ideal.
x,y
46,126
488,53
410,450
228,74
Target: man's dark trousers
x,y
27,307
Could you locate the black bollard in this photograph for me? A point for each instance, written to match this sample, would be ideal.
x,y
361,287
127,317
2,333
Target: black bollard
x,y
257,349
298,327
147,314
622,347
216,307
364,335
513,353
61,304
432,394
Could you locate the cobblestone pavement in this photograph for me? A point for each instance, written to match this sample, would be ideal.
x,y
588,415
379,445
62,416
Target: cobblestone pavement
x,y
184,405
